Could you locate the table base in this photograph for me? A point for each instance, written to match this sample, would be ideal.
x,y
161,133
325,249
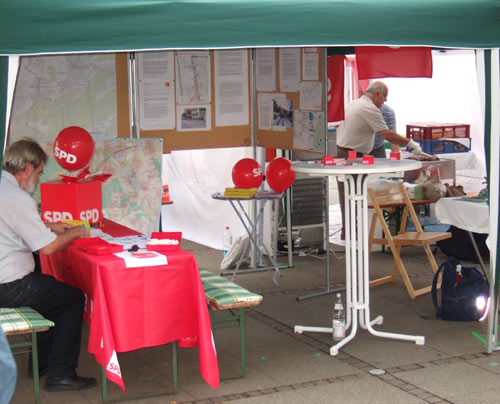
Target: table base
x,y
334,350
357,268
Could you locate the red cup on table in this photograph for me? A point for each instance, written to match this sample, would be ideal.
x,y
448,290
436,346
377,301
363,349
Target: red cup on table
x,y
352,155
368,160
395,156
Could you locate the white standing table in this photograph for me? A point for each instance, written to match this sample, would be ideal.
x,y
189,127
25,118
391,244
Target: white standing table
x,y
355,178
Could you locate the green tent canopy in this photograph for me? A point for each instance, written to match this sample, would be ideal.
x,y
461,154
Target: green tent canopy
x,y
48,26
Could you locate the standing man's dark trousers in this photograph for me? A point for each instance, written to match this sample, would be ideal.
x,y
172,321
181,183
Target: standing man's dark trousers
x,y
58,348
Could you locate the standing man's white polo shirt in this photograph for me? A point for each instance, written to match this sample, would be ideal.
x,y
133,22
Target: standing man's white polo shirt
x,y
362,120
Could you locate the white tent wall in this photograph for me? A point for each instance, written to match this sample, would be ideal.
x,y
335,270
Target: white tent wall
x,y
450,96
192,177
13,70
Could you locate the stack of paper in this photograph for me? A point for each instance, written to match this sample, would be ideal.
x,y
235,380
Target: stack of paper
x,y
240,192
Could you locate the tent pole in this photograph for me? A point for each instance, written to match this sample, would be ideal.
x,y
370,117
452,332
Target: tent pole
x,y
488,72
9,68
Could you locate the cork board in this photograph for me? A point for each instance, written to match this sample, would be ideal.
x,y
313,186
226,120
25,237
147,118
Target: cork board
x,y
174,139
235,135
287,138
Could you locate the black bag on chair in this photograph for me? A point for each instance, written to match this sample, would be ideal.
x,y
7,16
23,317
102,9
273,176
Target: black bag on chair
x,y
464,292
460,245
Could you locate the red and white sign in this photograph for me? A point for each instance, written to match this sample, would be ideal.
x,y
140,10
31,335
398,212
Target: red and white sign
x,y
335,88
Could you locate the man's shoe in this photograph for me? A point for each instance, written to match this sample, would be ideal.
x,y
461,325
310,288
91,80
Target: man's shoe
x,y
69,383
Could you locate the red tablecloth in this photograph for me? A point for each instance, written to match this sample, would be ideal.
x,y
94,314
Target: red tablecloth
x,y
133,308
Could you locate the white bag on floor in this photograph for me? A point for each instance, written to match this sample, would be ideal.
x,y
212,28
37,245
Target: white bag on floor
x,y
238,248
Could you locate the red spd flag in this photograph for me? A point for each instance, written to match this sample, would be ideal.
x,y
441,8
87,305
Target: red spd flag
x,y
382,61
335,72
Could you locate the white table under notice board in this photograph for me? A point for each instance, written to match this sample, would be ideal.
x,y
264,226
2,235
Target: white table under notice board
x,y
355,178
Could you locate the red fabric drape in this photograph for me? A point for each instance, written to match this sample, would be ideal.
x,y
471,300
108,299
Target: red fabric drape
x,y
382,61
335,88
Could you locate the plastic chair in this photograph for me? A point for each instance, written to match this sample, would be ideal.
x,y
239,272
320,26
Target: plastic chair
x,y
25,320
397,194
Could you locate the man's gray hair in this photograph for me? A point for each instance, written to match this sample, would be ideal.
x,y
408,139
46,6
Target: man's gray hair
x,y
21,152
376,86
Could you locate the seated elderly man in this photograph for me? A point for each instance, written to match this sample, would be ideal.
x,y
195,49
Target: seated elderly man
x,y
21,233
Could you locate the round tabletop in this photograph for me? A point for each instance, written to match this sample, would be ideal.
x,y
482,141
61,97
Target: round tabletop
x,y
357,167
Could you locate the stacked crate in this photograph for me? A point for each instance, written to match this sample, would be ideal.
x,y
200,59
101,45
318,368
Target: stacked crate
x,y
437,138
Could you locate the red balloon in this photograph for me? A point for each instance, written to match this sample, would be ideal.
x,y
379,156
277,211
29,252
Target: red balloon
x,y
247,173
73,148
279,174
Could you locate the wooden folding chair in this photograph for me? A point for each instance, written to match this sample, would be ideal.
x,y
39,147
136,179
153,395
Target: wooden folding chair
x,y
397,194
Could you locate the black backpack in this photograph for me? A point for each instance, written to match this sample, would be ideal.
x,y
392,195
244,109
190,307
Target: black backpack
x,y
460,289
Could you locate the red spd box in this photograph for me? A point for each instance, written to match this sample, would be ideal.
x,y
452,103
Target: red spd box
x,y
77,201
328,161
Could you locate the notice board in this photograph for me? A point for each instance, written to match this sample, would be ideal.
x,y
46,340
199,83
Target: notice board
x,y
290,88
220,98
191,99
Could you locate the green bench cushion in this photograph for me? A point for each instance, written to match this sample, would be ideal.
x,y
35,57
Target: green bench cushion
x,y
22,319
224,292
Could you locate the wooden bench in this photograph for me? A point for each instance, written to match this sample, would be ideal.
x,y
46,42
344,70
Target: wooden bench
x,y
222,294
25,320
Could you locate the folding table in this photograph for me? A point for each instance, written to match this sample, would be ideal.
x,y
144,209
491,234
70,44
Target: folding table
x,y
252,231
133,308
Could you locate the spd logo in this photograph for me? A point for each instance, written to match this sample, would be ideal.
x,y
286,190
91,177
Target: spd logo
x,y
257,172
65,156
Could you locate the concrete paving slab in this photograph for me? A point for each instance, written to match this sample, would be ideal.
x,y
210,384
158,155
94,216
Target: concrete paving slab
x,y
373,391
465,378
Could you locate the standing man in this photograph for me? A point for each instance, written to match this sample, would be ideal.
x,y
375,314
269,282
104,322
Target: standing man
x,y
21,233
363,119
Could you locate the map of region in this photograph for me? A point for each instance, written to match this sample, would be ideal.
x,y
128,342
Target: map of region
x,y
54,92
132,195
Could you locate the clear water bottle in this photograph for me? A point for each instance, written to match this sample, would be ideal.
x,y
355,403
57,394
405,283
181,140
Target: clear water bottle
x,y
227,241
338,320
